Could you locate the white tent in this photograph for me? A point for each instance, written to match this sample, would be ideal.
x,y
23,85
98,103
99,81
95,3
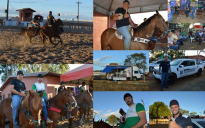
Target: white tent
x,y
108,7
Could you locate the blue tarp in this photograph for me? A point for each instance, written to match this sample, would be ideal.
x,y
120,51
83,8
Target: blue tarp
x,y
111,68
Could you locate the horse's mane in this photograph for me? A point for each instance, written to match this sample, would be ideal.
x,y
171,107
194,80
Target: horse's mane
x,y
145,24
35,101
56,96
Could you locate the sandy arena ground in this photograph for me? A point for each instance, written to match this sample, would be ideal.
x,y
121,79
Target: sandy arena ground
x,y
77,48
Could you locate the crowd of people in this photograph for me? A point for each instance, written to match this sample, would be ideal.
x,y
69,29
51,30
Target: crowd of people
x,y
176,38
188,11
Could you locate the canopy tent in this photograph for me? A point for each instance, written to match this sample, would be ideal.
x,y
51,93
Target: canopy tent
x,y
80,74
108,7
109,69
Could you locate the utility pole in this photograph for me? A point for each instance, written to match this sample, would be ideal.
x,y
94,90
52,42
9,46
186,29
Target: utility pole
x,y
7,11
78,12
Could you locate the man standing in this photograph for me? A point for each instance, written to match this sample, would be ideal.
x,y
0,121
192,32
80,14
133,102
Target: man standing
x,y
62,83
17,88
39,86
135,116
178,120
165,65
123,20
82,88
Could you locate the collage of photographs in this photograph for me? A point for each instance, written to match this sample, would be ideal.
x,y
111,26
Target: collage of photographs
x,y
102,63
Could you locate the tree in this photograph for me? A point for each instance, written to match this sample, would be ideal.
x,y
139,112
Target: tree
x,y
112,120
193,113
204,112
184,111
159,109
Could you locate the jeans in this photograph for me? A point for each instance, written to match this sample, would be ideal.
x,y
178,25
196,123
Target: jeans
x,y
164,79
45,113
192,15
177,12
125,32
187,11
15,102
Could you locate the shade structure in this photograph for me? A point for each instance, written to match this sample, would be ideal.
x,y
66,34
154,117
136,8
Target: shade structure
x,y
109,69
80,74
108,7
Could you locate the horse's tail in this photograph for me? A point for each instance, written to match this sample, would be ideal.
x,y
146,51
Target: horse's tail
x,y
104,40
22,31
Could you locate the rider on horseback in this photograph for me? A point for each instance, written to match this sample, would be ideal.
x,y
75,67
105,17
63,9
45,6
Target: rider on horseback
x,y
76,90
39,87
50,20
123,20
17,88
82,88
36,21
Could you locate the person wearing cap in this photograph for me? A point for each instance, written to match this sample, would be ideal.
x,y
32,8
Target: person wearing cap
x,y
135,116
76,90
62,83
39,86
178,120
17,88
82,88
123,22
51,21
165,66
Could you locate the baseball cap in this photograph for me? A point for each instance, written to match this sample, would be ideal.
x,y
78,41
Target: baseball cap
x,y
62,82
20,72
173,102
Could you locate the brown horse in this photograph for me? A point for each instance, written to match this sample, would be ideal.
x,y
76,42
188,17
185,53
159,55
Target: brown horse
x,y
50,31
29,111
101,124
30,32
146,30
83,100
57,102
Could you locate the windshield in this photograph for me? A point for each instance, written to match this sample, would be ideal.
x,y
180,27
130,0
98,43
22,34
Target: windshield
x,y
140,72
175,62
202,123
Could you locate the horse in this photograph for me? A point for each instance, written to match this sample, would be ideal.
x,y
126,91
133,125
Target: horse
x,y
101,124
30,32
29,111
55,105
82,99
109,41
50,32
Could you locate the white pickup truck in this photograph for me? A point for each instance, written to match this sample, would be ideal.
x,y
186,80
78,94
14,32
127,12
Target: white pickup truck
x,y
154,64
180,68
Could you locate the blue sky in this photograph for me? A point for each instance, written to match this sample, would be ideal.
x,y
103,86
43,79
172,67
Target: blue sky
x,y
67,8
103,58
108,103
191,101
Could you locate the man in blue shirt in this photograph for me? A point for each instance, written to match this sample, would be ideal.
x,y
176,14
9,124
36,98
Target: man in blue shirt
x,y
197,36
203,36
165,65
76,90
193,12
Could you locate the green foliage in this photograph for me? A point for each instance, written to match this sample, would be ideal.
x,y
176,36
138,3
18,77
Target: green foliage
x,y
193,113
184,111
137,59
159,109
112,120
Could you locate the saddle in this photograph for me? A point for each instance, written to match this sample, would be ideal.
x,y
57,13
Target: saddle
x,y
135,39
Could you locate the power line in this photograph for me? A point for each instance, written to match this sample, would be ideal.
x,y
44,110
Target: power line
x,y
31,1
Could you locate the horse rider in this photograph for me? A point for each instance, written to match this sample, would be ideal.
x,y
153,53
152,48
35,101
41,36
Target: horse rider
x,y
39,86
135,116
123,20
82,88
76,90
51,22
91,87
36,22
62,85
17,88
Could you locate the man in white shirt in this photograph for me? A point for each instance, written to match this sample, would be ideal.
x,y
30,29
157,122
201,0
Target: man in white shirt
x,y
171,43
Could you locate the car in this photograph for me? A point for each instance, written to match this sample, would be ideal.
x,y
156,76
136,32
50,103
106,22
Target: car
x,y
154,64
180,68
198,123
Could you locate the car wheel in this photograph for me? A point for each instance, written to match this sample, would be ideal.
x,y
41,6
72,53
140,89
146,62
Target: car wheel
x,y
198,73
172,79
134,78
151,69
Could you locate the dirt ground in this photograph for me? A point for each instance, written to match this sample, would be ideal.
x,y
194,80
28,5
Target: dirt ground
x,y
188,45
105,85
88,123
183,19
77,47
158,126
189,83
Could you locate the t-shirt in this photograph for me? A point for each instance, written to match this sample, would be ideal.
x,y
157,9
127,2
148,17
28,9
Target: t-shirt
x,y
200,33
39,87
83,89
170,40
18,85
174,36
50,19
183,121
176,8
165,66
203,35
132,117
60,89
196,34
123,22
76,90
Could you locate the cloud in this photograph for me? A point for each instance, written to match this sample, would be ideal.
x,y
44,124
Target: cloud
x,y
97,112
105,57
106,115
109,110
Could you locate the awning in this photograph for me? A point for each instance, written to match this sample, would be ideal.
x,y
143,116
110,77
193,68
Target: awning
x,y
111,68
80,74
108,7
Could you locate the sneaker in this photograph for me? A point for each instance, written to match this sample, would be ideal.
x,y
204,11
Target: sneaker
x,y
49,121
